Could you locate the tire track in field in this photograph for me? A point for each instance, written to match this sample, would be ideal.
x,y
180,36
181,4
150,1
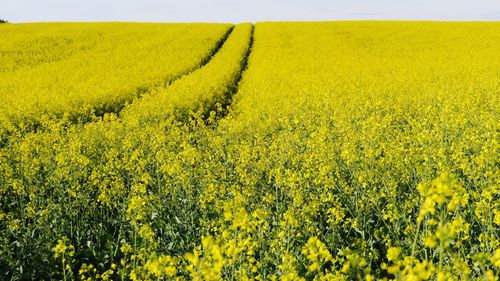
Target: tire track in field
x,y
12,130
141,90
233,88
194,96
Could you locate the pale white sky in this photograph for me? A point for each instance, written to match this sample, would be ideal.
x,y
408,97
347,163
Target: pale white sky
x,y
245,10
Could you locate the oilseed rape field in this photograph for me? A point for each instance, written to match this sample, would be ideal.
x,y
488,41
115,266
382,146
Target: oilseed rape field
x,y
355,150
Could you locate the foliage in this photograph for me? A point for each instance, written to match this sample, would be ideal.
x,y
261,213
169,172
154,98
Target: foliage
x,y
349,151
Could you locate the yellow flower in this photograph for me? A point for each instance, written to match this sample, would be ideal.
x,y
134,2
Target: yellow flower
x,y
161,266
126,248
146,233
63,247
393,253
430,241
316,253
206,264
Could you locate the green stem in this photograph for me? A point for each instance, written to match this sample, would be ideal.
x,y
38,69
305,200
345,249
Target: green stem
x,y
64,268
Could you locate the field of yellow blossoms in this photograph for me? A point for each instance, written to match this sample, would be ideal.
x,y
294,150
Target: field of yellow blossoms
x,y
268,151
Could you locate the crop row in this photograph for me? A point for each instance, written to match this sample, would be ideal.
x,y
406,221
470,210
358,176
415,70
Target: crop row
x,y
90,184
91,69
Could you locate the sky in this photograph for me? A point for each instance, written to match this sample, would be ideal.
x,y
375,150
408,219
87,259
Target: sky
x,y
246,10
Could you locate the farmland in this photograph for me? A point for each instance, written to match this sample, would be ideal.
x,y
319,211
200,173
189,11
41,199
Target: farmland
x,y
272,151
